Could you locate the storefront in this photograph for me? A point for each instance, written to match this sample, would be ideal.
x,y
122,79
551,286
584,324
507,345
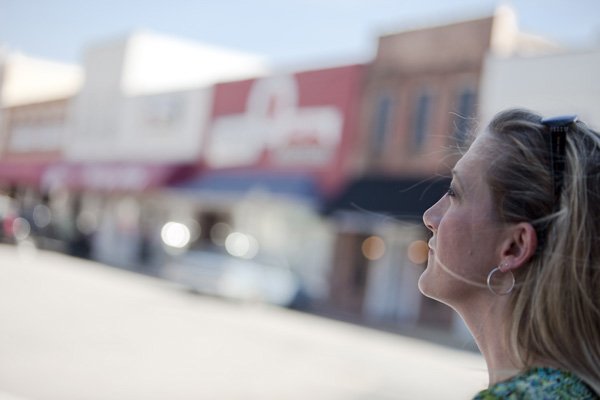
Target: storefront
x,y
381,250
111,212
31,136
276,149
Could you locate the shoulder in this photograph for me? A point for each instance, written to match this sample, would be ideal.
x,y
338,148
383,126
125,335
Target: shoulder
x,y
539,383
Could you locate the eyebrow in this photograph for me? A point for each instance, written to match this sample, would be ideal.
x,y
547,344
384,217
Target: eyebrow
x,y
454,173
456,176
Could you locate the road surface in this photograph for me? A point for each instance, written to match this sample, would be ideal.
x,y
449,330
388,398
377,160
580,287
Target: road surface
x,y
76,330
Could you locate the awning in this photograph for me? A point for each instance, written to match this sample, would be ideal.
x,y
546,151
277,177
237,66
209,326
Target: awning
x,y
237,183
25,173
399,198
129,177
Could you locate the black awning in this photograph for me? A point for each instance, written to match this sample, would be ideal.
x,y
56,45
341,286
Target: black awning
x,y
399,198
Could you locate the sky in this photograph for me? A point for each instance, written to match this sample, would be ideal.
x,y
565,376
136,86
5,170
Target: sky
x,y
283,31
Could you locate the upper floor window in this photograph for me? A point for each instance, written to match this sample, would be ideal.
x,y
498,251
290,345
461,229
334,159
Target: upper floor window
x,y
464,113
383,123
421,119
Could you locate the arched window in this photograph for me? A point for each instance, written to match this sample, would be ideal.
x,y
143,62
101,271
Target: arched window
x,y
464,113
382,123
421,119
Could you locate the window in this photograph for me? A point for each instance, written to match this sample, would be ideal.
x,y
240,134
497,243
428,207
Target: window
x,y
162,111
421,119
382,123
465,111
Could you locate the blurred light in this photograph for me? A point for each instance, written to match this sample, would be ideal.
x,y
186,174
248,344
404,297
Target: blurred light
x,y
87,222
241,245
253,250
418,251
373,248
175,234
41,216
21,228
219,232
195,229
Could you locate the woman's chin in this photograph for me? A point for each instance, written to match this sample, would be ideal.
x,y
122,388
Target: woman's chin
x,y
432,285
426,284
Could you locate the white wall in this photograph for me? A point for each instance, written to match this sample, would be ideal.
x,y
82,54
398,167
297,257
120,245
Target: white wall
x,y
44,86
160,63
567,83
96,110
28,80
166,127
146,98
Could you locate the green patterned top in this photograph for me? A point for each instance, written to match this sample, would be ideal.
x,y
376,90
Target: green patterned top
x,y
539,384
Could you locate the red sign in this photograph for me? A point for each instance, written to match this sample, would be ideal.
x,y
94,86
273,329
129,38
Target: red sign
x,y
299,122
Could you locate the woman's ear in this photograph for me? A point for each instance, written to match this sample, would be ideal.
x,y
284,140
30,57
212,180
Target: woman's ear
x,y
519,246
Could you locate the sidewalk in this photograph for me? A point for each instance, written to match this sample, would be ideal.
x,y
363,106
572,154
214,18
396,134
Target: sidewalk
x,y
74,329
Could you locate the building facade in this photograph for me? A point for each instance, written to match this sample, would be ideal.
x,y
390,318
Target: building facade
x,y
277,148
327,171
421,101
35,98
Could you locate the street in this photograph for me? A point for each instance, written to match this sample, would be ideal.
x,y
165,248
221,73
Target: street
x,y
72,329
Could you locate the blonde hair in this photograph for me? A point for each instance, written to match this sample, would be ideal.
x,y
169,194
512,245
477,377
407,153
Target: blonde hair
x,y
555,306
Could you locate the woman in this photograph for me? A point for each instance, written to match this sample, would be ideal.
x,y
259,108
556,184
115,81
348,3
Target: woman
x,y
515,251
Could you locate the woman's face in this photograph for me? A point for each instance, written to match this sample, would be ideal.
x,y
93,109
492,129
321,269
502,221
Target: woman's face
x,y
465,245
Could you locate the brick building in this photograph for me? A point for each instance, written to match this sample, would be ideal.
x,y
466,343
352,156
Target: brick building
x,y
421,98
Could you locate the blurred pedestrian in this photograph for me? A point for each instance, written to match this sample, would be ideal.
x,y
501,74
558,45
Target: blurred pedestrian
x,y
515,251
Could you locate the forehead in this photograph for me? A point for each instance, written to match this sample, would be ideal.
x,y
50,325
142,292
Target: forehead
x,y
472,166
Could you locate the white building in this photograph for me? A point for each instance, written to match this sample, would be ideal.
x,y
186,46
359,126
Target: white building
x,y
138,124
35,96
146,96
27,79
558,84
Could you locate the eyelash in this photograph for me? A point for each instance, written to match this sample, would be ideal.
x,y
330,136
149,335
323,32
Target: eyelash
x,y
450,191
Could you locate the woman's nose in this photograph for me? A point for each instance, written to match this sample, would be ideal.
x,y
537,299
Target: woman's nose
x,y
431,217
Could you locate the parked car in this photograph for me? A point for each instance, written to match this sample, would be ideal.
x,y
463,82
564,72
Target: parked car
x,y
220,274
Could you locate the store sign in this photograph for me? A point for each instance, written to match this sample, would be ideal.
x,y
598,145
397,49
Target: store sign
x,y
97,177
276,129
106,177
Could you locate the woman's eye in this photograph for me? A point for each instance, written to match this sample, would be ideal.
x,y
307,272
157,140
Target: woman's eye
x,y
450,191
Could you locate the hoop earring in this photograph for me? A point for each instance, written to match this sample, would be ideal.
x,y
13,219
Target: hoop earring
x,y
494,291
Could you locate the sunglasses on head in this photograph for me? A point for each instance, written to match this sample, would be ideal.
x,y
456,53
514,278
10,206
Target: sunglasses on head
x,y
557,128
